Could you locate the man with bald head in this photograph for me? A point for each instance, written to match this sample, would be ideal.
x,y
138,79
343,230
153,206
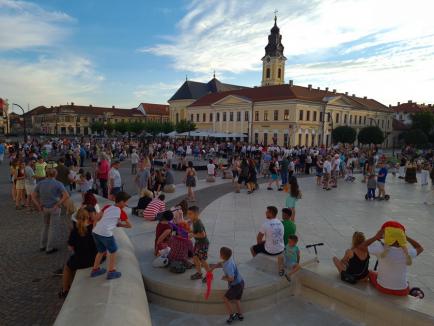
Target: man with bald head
x,y
48,196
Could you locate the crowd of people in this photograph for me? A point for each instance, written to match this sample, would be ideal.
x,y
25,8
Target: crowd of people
x,y
44,174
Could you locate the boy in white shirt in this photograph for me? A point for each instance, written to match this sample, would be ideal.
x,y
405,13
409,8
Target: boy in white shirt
x,y
110,217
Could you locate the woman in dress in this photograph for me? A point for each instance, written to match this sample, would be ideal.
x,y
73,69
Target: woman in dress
x,y
19,185
190,181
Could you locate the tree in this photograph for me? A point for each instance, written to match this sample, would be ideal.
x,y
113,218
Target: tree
x,y
97,127
423,121
109,127
344,134
415,137
370,135
136,127
184,126
121,127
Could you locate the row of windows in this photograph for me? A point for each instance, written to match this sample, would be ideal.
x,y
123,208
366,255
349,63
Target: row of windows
x,y
268,73
224,116
337,118
314,139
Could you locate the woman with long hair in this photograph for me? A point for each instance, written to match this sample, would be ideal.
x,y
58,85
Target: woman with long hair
x,y
190,181
19,185
83,249
294,194
354,266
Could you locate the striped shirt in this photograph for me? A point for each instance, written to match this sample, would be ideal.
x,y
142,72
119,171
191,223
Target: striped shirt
x,y
155,206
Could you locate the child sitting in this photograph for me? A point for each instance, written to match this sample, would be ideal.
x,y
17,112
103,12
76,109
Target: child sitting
x,y
163,231
372,185
292,256
111,216
235,284
201,243
288,224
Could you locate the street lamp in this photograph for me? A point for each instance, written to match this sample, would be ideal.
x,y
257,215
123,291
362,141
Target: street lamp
x,y
24,121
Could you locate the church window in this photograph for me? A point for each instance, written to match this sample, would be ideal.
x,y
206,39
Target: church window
x,y
246,116
265,139
279,73
314,115
256,115
239,116
276,115
286,115
204,117
218,116
351,119
191,117
210,117
265,115
337,117
300,115
268,73
307,115
231,116
224,116
360,120
197,117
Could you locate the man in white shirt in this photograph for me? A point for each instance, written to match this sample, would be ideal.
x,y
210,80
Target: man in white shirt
x,y
211,168
134,161
115,180
391,275
273,244
169,157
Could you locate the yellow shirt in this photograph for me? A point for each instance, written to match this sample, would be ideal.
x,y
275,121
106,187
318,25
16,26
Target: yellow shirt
x,y
40,169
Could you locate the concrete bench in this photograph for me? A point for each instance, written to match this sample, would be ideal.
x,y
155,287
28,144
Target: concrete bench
x,y
98,301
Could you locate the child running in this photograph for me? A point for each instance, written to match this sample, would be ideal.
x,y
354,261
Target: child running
x,y
201,243
235,284
111,216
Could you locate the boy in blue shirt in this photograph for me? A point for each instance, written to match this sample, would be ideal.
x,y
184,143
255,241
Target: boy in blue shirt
x,y
235,283
381,180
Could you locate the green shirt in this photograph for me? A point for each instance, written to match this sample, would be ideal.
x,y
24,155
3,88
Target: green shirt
x,y
289,229
198,228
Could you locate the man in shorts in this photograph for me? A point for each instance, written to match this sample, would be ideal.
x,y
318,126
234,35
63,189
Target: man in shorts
x,y
273,245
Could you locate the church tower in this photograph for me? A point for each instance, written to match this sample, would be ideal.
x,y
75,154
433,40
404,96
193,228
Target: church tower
x,y
273,63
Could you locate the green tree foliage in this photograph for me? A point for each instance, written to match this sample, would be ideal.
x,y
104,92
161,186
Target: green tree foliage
x,y
415,137
423,121
97,126
371,135
344,134
121,127
184,126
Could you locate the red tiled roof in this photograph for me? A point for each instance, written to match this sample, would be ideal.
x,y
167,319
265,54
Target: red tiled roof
x,y
89,110
285,92
155,109
411,107
399,125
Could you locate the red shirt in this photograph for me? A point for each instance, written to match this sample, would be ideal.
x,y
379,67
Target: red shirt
x,y
161,227
103,170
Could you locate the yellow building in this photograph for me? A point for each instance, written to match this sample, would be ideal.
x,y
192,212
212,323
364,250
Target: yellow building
x,y
284,114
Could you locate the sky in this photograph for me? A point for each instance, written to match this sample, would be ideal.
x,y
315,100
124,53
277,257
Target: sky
x,y
122,53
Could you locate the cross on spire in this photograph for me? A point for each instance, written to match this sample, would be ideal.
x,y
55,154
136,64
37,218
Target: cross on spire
x,y
275,14
213,74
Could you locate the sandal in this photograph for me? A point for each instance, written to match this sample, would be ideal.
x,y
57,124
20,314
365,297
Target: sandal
x,y
196,276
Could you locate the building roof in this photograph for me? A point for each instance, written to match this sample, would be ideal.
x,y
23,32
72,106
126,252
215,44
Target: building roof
x,y
154,109
191,90
399,125
287,92
412,107
85,110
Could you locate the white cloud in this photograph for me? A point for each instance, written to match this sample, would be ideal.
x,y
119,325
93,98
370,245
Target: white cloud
x,y
49,81
25,25
383,49
157,92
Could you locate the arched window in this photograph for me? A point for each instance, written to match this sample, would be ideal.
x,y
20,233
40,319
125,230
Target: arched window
x,y
279,73
267,74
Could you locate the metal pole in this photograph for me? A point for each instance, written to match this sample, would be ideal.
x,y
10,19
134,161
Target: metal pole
x,y
24,122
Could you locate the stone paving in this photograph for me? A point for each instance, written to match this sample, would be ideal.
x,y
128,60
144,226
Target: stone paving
x,y
330,217
28,290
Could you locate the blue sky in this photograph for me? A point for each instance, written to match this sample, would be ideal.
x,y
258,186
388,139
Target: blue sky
x,y
126,52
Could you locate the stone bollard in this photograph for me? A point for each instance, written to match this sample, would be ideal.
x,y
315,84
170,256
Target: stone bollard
x,y
169,189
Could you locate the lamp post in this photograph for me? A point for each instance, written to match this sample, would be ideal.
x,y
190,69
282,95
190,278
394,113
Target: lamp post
x,y
24,121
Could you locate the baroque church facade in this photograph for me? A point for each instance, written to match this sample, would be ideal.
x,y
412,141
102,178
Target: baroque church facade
x,y
276,112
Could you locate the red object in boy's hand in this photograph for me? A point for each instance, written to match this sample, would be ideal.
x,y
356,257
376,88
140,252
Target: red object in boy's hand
x,y
209,278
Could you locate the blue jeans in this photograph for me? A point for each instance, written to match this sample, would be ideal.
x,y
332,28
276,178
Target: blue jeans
x,y
284,176
371,192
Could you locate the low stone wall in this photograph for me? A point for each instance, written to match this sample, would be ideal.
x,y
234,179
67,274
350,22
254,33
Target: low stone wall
x,y
98,301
